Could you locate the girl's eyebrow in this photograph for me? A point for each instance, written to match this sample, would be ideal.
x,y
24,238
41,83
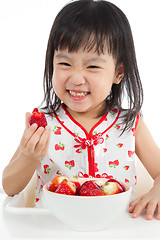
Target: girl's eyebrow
x,y
96,59
62,55
92,59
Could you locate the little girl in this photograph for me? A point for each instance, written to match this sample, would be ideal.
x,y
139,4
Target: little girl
x,y
90,67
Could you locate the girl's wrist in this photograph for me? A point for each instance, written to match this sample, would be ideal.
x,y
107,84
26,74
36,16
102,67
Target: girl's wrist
x,y
29,159
156,183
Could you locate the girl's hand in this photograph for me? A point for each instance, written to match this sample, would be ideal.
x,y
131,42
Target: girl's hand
x,y
150,201
35,141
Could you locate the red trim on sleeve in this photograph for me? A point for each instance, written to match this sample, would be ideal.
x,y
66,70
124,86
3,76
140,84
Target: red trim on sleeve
x,y
137,120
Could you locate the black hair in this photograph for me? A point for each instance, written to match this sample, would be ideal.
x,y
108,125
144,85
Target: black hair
x,y
100,25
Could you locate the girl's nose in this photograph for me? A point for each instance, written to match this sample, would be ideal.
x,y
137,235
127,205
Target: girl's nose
x,y
77,78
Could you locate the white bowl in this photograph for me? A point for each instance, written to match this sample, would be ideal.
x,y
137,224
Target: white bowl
x,y
87,213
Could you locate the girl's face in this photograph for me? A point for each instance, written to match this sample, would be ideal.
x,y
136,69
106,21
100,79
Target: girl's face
x,y
83,80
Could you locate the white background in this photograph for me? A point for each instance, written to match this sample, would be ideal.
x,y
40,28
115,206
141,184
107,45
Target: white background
x,y
24,32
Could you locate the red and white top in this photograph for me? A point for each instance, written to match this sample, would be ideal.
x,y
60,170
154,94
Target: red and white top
x,y
102,152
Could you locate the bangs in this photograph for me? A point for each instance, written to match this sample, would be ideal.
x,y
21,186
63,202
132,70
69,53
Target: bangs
x,y
85,39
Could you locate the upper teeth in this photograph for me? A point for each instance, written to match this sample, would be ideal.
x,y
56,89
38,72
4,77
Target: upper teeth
x,y
75,94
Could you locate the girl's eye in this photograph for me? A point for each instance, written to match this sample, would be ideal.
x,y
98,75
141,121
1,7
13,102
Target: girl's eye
x,y
65,64
93,67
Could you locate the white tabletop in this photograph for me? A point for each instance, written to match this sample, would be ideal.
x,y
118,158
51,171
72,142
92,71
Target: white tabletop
x,y
30,223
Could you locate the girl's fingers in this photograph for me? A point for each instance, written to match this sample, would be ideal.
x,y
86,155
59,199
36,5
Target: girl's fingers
x,y
34,139
139,207
28,133
28,117
44,140
151,209
158,210
133,204
151,204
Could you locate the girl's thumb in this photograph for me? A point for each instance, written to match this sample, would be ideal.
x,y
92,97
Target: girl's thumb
x,y
28,117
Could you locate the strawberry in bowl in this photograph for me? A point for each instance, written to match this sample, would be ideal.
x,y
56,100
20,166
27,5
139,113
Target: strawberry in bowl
x,y
67,188
113,186
56,182
90,188
88,208
83,187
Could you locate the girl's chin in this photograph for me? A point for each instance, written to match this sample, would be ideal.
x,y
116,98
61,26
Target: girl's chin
x,y
86,109
76,109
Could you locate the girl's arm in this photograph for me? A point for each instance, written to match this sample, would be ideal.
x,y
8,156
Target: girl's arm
x,y
149,154
33,146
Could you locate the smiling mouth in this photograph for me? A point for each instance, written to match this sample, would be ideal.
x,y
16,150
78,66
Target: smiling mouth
x,y
77,94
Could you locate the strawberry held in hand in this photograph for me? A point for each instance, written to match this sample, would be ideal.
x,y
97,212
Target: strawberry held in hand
x,y
38,118
112,186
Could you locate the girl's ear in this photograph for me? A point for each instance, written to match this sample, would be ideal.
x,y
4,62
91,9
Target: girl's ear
x,y
119,74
